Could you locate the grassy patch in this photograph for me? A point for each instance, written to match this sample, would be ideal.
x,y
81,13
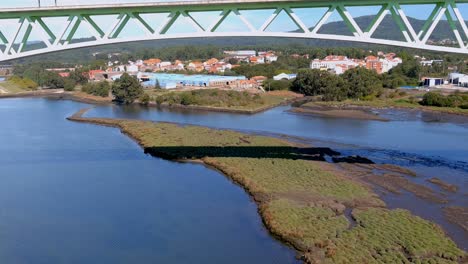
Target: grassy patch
x,y
393,236
18,85
398,102
301,200
305,225
216,98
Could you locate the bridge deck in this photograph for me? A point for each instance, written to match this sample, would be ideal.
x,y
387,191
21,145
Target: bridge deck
x,y
206,3
147,4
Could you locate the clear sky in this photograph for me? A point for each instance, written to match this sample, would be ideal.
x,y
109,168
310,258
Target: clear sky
x,y
283,23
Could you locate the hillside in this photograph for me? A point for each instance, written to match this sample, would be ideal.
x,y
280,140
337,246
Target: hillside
x,y
388,29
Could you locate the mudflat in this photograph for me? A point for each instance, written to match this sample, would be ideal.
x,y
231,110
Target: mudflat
x,y
337,112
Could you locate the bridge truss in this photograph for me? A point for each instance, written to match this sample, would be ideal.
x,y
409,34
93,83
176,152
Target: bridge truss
x,y
157,21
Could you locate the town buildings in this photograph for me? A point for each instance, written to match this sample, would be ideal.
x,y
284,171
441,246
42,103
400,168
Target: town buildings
x,y
170,80
339,64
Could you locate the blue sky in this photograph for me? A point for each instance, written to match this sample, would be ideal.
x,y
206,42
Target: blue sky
x,y
309,16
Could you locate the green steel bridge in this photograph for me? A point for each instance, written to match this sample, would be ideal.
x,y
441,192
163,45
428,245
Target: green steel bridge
x,y
157,21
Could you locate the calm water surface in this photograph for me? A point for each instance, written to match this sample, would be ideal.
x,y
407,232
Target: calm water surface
x,y
78,193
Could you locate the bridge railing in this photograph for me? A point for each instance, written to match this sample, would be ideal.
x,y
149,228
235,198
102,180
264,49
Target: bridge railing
x,y
63,3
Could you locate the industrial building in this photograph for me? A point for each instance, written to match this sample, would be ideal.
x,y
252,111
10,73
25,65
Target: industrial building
x,y
170,81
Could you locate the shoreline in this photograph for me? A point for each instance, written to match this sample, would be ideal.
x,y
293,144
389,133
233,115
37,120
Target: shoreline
x,y
262,200
59,94
224,110
345,111
356,106
337,112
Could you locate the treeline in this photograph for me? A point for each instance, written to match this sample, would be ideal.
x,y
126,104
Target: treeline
x,y
356,83
38,73
457,99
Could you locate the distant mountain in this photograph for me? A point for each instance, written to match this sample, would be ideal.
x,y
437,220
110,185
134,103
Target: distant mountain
x,y
388,29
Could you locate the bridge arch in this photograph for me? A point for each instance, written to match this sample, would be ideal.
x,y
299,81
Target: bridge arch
x,y
168,14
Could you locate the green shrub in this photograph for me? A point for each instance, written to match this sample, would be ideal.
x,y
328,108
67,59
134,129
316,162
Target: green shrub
x,y
437,99
99,89
187,99
272,85
69,84
145,99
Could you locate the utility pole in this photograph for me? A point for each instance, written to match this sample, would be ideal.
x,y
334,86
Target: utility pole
x,y
39,3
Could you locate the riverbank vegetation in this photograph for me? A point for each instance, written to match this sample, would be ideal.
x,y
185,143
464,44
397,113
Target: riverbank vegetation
x,y
457,99
225,99
97,88
454,103
302,199
17,84
126,89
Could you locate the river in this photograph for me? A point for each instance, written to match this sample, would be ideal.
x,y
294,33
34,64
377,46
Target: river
x,y
79,193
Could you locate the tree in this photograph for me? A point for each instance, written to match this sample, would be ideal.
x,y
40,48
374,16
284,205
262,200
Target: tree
x,y
157,85
308,82
334,88
127,89
362,82
99,89
78,76
69,84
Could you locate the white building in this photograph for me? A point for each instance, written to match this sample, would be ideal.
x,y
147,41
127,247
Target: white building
x,y
335,63
132,68
430,62
285,76
388,64
463,81
241,53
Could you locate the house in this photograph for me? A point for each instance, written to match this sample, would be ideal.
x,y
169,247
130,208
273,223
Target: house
x,y
374,63
284,76
430,62
64,74
92,74
245,84
432,81
259,79
195,66
332,62
269,56
152,62
133,68
257,59
211,61
454,77
463,81
240,54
